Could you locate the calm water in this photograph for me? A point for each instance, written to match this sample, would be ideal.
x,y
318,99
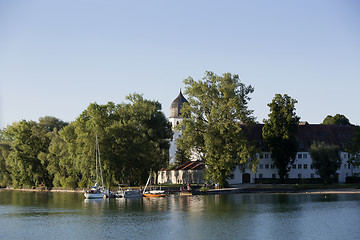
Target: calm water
x,y
30,215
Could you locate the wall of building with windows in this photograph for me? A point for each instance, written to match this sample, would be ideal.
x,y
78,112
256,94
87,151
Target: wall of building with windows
x,y
301,168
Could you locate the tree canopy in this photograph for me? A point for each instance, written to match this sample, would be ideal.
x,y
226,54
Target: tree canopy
x,y
325,159
133,138
338,119
217,109
354,147
279,132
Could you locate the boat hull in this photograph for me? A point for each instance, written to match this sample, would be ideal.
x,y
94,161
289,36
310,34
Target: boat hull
x,y
94,195
155,193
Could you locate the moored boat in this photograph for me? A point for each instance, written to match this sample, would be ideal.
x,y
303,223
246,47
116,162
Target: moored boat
x,y
129,193
153,193
97,191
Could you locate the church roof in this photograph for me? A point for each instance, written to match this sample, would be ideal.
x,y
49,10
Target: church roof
x,y
176,105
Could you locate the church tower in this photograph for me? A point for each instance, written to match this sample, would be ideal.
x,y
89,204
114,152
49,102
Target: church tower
x,y
175,118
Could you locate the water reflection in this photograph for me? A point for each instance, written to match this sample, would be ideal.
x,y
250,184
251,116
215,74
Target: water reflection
x,y
242,216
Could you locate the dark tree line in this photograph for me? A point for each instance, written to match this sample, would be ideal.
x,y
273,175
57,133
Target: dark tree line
x,y
133,139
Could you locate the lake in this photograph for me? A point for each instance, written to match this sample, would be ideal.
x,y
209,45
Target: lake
x,y
38,215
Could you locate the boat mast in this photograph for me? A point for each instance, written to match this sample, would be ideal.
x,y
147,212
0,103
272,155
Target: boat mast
x,y
147,183
98,157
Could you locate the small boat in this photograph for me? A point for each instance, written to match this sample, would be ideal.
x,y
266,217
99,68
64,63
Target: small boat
x,y
153,193
97,191
129,193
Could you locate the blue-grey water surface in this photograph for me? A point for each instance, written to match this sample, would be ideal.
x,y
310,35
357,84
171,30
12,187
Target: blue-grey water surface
x,y
37,215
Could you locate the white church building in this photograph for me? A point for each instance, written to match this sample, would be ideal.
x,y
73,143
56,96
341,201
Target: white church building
x,y
302,168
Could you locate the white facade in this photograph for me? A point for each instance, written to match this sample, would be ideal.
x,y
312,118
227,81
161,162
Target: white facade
x,y
177,134
181,177
302,168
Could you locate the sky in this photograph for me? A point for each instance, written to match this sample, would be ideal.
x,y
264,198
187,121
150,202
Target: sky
x,y
57,57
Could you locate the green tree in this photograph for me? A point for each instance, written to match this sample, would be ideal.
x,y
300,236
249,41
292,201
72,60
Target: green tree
x,y
133,138
181,157
217,110
27,142
325,159
354,147
24,152
279,132
338,119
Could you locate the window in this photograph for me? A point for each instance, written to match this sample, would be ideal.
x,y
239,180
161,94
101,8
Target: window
x,y
300,155
305,166
261,166
272,166
266,155
304,155
261,155
311,166
299,166
294,166
349,165
267,166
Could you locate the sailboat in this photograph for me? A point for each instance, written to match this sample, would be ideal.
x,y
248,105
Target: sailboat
x,y
153,193
97,191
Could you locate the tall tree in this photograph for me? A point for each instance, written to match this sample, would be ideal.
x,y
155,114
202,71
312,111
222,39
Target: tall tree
x,y
133,138
325,159
354,147
279,132
338,119
217,109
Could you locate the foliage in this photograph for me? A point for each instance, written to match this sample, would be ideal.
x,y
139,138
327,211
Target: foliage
x,y
354,147
181,157
325,159
279,132
338,119
212,129
25,144
133,139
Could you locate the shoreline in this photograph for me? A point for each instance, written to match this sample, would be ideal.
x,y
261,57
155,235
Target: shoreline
x,y
234,190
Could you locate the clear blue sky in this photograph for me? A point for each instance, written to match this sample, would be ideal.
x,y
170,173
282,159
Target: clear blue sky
x,y
57,57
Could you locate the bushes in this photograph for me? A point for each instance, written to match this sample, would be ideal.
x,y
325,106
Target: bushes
x,y
352,180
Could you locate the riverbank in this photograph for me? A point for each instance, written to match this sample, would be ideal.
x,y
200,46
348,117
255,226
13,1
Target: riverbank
x,y
237,189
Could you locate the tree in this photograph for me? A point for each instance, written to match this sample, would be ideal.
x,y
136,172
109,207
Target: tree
x,y
181,157
215,114
338,119
24,148
325,159
279,132
133,138
354,147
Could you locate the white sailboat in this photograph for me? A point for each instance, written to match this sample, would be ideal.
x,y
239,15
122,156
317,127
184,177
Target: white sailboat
x,y
97,191
153,193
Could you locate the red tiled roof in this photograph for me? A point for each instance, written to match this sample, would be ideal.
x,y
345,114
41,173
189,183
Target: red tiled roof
x,y
196,165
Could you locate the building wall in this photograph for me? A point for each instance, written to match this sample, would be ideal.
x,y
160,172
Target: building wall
x,y
177,134
302,168
180,177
